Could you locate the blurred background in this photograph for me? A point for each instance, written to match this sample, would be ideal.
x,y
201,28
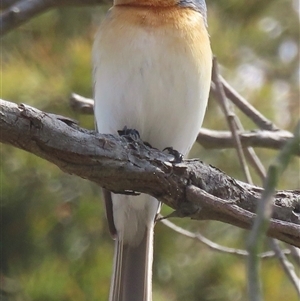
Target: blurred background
x,y
55,244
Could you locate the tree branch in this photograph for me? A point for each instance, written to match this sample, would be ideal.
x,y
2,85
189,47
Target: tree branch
x,y
211,139
264,213
258,138
214,246
22,11
286,265
224,104
123,165
260,120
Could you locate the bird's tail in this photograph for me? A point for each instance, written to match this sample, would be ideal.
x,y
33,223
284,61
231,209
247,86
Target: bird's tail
x,y
132,270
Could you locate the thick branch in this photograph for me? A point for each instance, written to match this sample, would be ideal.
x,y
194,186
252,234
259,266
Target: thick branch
x,y
121,165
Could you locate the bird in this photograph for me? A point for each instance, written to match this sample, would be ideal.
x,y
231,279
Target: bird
x,y
152,64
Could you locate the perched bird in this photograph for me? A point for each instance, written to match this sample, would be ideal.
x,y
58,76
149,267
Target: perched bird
x,y
152,70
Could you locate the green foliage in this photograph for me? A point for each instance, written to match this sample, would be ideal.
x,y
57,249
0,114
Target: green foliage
x,y
54,237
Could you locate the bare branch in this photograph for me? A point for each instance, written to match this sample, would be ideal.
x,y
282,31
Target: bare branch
x,y
82,104
220,96
280,254
295,252
210,139
192,188
264,214
250,154
286,265
22,11
212,245
259,138
261,121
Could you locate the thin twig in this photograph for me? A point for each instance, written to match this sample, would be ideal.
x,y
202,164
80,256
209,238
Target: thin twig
x,y
286,265
251,154
258,166
212,245
295,252
255,162
82,104
264,212
260,120
220,95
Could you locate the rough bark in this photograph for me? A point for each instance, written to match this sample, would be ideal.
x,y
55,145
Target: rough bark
x,y
124,165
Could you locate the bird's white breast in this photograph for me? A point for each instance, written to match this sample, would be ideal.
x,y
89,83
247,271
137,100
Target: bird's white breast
x,y
151,79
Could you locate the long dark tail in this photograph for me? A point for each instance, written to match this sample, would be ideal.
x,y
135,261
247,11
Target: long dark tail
x,y
132,277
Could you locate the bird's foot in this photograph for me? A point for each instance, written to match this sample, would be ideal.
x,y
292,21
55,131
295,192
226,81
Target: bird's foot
x,y
178,157
132,133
